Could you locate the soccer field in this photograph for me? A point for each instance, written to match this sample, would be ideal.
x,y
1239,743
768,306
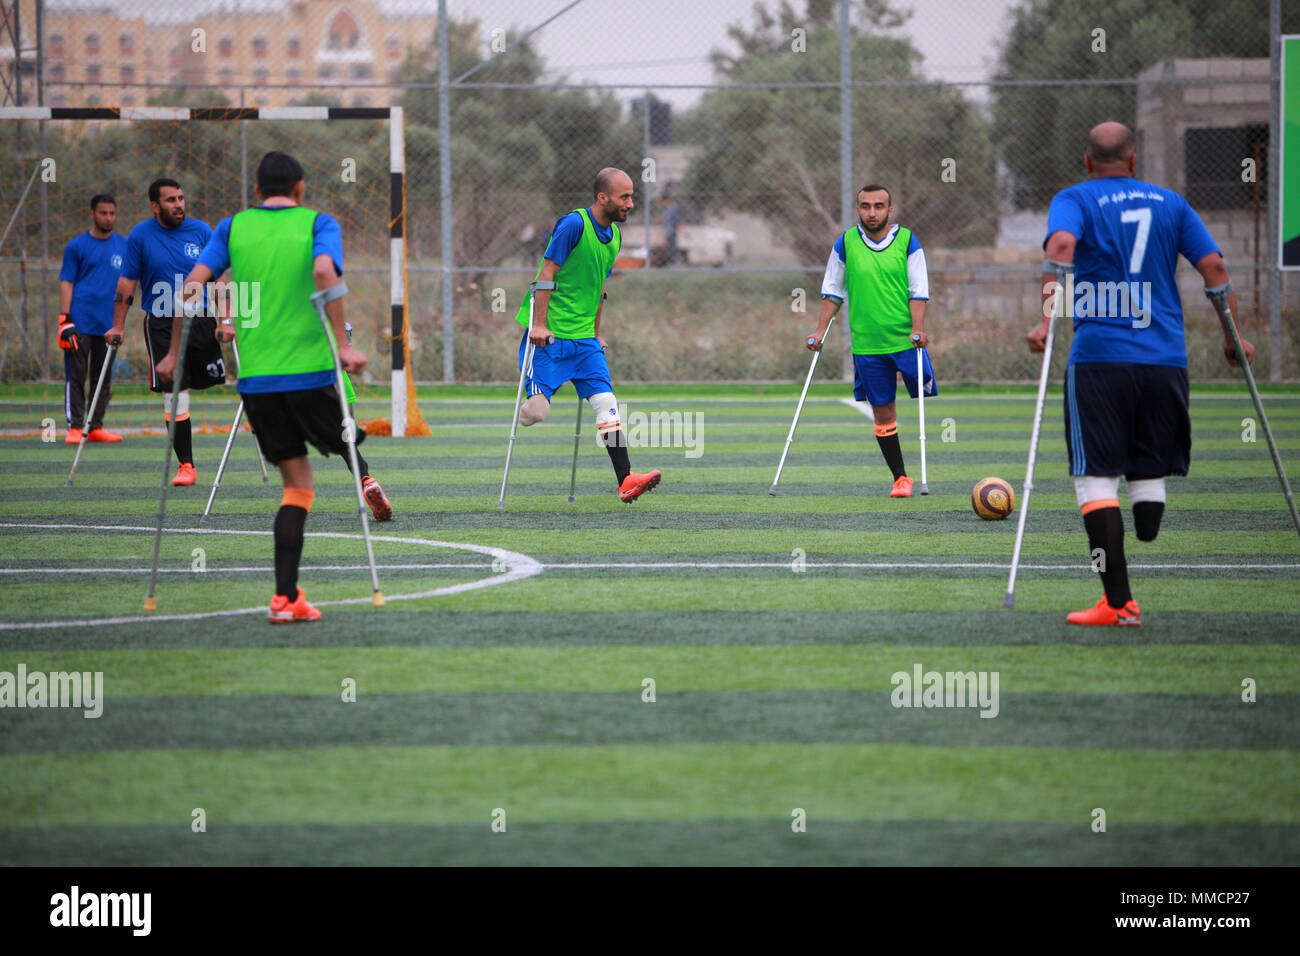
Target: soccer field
x,y
770,627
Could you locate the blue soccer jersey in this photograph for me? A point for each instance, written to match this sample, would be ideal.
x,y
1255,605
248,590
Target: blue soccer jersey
x,y
92,266
161,258
1129,235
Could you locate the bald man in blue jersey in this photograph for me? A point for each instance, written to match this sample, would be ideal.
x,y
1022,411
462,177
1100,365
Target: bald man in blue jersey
x,y
1126,381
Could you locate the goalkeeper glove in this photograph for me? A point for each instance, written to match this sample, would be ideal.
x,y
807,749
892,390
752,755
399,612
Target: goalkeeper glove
x,y
67,334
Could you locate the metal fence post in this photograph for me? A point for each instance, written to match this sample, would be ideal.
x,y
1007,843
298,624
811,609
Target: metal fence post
x,y
444,193
1274,190
846,159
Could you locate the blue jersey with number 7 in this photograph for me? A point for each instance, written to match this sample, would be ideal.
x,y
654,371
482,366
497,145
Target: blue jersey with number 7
x,y
1129,235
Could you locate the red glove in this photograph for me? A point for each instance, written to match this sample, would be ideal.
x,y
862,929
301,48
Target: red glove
x,y
67,334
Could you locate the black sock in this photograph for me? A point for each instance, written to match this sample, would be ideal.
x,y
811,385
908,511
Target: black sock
x,y
893,453
616,445
1105,530
289,521
183,441
1146,519
361,463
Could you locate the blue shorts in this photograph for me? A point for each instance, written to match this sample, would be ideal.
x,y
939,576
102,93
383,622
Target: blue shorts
x,y
1130,420
875,376
580,361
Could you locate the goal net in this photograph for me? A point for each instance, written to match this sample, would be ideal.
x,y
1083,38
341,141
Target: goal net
x,y
60,157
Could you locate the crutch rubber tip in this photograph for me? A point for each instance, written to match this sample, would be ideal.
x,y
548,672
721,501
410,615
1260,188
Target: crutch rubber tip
x,y
150,604
1009,601
925,489
377,599
772,490
501,506
204,520
68,483
572,499
265,479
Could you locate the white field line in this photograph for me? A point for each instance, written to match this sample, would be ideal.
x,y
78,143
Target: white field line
x,y
520,566
863,407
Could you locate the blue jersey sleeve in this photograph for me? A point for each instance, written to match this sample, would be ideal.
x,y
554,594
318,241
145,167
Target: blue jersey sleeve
x,y
913,244
216,254
567,232
1064,215
327,240
132,261
1194,240
839,249
71,263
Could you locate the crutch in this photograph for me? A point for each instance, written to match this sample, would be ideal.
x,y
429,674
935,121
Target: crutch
x,y
577,431
149,603
221,466
1219,296
257,445
799,408
90,411
920,407
529,348
1063,272
318,299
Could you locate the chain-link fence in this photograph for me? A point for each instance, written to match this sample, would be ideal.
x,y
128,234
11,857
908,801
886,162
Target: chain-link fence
x,y
746,130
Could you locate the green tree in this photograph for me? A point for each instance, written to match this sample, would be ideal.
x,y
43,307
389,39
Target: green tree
x,y
776,152
519,156
1041,129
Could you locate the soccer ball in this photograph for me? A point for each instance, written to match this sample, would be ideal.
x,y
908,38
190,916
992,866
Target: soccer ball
x,y
993,499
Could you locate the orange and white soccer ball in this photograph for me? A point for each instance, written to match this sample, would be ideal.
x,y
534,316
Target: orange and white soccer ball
x,y
993,499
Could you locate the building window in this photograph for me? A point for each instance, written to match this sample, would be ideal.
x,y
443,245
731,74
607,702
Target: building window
x,y
294,48
128,74
57,73
295,76
394,48
227,75
92,72
361,99
362,71
56,44
226,47
128,99
126,45
58,99
259,76
325,72
92,44
259,47
344,34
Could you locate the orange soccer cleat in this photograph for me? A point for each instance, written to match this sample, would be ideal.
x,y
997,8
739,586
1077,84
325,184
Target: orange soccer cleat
x,y
185,474
902,487
1102,614
284,611
74,436
102,434
634,485
375,497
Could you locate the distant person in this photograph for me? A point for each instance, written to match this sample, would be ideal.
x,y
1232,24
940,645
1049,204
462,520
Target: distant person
x,y
92,263
672,216
1126,379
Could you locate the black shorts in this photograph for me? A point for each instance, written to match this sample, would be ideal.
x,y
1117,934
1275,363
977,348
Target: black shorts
x,y
203,364
1129,420
285,422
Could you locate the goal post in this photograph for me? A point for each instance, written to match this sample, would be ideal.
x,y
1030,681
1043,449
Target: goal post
x,y
341,181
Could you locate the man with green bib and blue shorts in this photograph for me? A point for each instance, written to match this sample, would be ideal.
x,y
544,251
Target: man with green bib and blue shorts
x,y
286,377
570,288
880,270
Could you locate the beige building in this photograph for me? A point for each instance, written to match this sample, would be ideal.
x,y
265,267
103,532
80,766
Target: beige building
x,y
260,57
